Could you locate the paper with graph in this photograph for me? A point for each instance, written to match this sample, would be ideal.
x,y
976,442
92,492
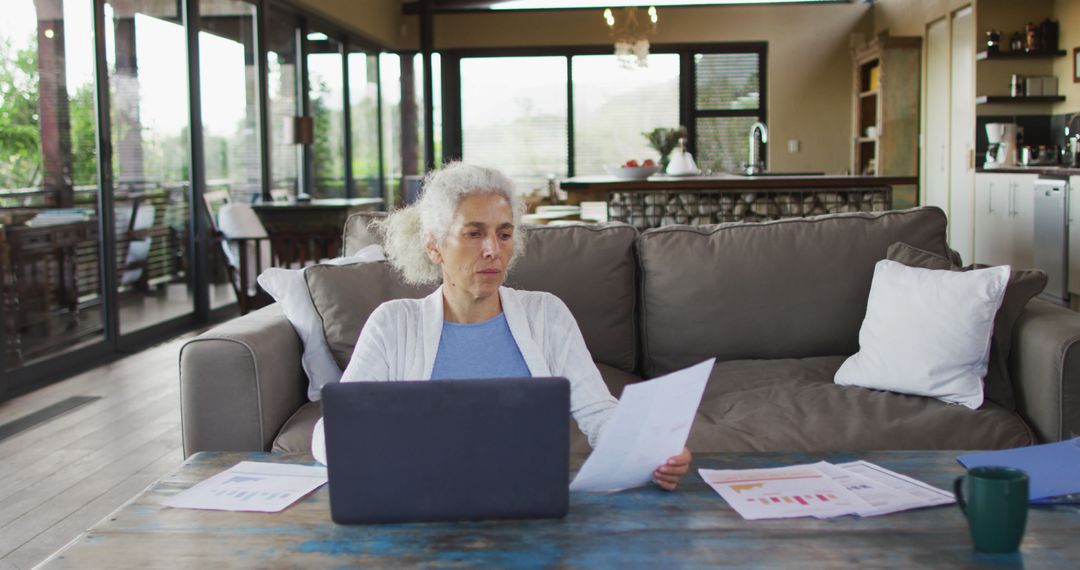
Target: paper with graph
x,y
782,492
821,490
251,486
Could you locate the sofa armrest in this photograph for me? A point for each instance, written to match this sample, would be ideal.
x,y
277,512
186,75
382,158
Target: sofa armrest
x,y
1045,368
239,382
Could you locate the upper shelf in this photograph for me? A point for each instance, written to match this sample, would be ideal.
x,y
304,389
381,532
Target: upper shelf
x,y
1019,55
994,99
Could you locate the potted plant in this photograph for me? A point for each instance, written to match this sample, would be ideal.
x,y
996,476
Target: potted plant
x,y
664,141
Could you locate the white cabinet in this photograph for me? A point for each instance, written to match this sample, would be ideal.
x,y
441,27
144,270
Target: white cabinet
x,y
1073,202
949,120
991,192
1005,219
1022,212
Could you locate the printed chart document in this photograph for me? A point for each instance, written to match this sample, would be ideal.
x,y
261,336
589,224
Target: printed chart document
x,y
821,490
906,493
251,486
650,424
783,492
885,491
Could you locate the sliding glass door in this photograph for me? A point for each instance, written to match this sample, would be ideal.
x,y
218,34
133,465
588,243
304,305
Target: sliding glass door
x,y
326,81
146,55
228,77
50,280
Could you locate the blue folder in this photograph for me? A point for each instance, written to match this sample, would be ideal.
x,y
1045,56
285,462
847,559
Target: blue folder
x,y
1053,468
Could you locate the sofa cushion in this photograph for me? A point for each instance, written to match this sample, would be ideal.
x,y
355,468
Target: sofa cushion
x,y
1024,285
295,435
345,296
782,289
358,233
927,332
289,289
591,268
793,405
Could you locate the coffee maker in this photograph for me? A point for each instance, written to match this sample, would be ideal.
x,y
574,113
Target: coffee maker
x,y
1002,150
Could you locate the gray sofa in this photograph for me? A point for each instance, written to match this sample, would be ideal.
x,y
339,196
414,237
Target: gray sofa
x,y
778,303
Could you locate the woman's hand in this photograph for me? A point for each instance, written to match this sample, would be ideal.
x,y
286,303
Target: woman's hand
x,y
667,475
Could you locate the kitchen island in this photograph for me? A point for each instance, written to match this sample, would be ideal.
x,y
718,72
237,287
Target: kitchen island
x,y
699,200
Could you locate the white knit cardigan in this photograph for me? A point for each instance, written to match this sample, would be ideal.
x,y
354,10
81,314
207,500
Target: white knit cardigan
x,y
401,339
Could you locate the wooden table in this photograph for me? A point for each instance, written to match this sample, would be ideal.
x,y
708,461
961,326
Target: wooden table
x,y
303,232
692,527
314,216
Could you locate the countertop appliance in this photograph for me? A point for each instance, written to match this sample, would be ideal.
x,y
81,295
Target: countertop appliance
x,y
1052,236
1002,150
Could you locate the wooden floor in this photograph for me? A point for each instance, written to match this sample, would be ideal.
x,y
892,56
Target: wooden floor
x,y
59,478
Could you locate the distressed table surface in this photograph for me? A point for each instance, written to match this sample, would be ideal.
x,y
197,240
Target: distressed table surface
x,y
692,527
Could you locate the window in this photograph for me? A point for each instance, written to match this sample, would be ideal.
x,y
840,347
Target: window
x,y
519,113
227,75
50,293
147,62
727,101
326,91
363,107
390,87
229,103
614,105
57,302
514,116
401,83
282,104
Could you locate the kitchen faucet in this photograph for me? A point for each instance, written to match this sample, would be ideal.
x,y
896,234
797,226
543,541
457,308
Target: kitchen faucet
x,y
755,166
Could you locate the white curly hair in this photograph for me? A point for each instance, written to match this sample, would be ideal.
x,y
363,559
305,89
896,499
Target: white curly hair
x,y
405,232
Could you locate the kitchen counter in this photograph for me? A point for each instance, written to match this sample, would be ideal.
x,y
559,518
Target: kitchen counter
x,y
588,188
700,200
1046,169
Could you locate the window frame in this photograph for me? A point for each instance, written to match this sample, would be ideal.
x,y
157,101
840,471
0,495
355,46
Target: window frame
x,y
688,111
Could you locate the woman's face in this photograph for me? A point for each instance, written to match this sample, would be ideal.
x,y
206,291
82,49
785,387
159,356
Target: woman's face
x,y
478,246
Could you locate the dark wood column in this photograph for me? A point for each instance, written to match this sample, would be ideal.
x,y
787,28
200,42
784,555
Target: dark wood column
x,y
427,47
129,144
54,116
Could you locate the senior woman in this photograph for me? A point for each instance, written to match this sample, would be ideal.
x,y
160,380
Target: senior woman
x,y
465,232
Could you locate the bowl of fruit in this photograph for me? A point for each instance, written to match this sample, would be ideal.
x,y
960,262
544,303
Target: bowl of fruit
x,y
633,170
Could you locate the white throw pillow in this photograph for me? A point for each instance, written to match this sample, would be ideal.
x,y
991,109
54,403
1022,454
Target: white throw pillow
x,y
288,287
927,332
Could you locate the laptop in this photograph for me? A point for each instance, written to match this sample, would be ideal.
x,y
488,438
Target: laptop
x,y
447,450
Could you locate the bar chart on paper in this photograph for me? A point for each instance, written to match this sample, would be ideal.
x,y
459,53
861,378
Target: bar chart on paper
x,y
783,492
804,500
249,486
242,495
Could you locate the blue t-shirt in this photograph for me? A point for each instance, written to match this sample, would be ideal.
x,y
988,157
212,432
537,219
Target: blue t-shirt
x,y
479,350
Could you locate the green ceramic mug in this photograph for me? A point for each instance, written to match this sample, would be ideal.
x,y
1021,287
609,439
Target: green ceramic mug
x,y
995,502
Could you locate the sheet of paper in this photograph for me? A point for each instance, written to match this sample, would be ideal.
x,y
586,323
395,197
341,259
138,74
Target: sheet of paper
x,y
251,486
783,492
882,498
650,424
924,495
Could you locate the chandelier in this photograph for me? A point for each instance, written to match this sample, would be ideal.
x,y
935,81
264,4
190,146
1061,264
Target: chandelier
x,y
631,32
